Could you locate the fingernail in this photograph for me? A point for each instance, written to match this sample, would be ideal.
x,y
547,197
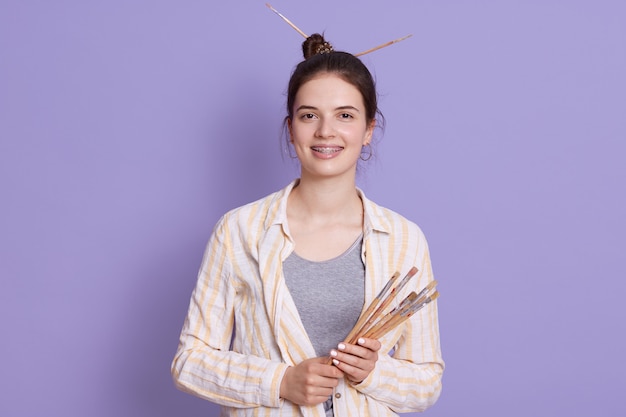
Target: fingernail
x,y
333,352
361,340
341,346
335,361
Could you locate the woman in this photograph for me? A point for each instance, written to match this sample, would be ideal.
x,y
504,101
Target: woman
x,y
284,279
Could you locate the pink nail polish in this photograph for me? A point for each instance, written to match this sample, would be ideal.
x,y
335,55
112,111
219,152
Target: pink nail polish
x,y
333,353
361,341
335,361
341,346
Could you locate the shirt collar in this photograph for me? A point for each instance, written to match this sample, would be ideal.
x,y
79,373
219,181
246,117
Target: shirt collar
x,y
374,220
277,213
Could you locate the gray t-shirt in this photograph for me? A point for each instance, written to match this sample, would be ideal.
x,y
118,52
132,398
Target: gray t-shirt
x,y
329,295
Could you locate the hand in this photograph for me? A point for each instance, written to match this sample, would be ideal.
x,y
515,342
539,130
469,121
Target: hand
x,y
310,382
356,361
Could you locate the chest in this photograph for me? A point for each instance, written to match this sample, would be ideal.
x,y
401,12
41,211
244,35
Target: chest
x,y
328,295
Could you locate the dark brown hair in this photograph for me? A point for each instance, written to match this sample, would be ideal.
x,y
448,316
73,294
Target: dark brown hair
x,y
321,58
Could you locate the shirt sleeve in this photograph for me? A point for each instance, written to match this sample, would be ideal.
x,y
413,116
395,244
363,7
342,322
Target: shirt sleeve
x,y
204,365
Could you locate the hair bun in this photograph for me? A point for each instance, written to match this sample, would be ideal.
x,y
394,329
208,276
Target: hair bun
x,y
315,44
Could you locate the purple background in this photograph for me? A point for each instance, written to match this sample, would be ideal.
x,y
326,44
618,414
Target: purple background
x,y
128,127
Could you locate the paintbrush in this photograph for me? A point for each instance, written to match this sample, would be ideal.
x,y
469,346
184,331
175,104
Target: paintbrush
x,y
359,329
395,318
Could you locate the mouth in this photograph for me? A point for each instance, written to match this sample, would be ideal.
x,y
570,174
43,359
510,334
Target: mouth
x,y
327,150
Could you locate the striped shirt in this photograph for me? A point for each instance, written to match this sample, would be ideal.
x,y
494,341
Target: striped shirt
x,y
243,331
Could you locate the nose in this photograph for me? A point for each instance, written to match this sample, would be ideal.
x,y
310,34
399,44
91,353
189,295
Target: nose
x,y
325,129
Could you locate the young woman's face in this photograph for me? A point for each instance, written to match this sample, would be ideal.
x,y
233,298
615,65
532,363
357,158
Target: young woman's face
x,y
329,127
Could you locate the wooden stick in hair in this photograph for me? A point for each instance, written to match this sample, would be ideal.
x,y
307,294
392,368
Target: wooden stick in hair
x,y
297,29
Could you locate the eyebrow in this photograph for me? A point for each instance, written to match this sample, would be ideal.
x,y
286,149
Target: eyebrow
x,y
305,107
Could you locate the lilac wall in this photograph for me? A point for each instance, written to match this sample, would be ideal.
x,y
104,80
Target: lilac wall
x,y
128,127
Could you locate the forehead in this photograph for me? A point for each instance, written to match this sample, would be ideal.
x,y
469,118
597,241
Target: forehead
x,y
328,89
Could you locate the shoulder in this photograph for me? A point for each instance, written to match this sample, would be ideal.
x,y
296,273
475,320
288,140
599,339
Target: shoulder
x,y
258,214
386,220
397,239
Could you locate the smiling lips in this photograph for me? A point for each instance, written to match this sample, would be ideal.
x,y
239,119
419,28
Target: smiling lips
x,y
326,150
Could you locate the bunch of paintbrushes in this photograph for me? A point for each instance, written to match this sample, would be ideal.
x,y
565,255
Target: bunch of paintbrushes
x,y
375,322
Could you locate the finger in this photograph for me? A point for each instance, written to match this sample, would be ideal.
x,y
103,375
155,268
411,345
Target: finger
x,y
313,398
352,373
311,382
360,351
371,344
366,363
322,369
356,361
326,382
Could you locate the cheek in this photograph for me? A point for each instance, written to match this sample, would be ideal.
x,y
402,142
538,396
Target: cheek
x,y
356,135
300,131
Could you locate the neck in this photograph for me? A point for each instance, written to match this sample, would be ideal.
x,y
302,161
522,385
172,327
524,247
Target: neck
x,y
325,199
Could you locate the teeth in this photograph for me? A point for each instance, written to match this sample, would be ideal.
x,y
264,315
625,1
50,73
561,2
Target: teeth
x,y
325,150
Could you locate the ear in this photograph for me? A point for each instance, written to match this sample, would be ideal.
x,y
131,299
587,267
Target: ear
x,y
289,127
369,132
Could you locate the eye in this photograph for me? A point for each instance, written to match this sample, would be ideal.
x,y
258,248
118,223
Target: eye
x,y
345,116
307,116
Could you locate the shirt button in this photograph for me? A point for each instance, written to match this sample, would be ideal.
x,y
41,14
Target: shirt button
x,y
338,395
